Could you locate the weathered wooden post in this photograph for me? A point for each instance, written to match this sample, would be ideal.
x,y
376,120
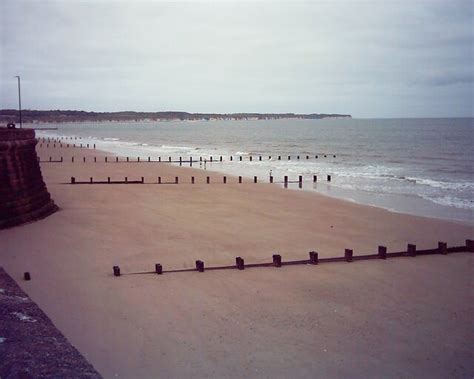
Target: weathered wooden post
x,y
442,248
180,161
224,179
108,179
176,179
126,180
382,252
50,159
220,158
61,159
289,157
95,159
159,180
72,159
91,180
329,178
87,145
116,159
313,257
271,179
240,158
192,179
105,159
73,180
84,159
250,158
297,157
138,159
169,159
148,159
255,179
116,271
316,156
285,180
231,158
158,269
279,157
159,159
127,159
200,266
208,179
27,276
300,179
411,250
307,157
315,178
276,260
211,158
143,179
260,158
470,246
239,262
348,255
240,179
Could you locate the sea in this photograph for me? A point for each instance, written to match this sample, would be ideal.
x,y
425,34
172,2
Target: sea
x,y
418,166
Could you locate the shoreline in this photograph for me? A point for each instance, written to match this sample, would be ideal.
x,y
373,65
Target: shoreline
x,y
343,194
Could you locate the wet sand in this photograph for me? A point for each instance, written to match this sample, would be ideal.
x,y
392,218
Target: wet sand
x,y
405,317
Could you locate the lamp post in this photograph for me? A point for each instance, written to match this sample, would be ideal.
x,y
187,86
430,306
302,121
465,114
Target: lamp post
x,y
19,99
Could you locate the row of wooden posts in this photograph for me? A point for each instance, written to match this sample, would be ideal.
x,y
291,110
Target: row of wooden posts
x,y
193,180
314,259
73,145
182,160
56,139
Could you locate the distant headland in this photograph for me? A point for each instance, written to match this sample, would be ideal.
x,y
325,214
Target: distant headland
x,y
56,116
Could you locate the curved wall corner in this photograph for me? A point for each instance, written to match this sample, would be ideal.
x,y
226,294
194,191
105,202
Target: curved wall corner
x,y
23,193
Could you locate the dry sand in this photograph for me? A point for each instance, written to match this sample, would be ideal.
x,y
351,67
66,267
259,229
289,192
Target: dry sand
x,y
404,317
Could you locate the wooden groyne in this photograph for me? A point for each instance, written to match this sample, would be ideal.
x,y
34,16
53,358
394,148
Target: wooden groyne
x,y
348,257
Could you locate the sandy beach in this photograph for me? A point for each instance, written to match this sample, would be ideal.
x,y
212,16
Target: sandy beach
x,y
406,317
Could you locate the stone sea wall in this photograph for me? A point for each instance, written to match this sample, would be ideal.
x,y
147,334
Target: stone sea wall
x,y
23,193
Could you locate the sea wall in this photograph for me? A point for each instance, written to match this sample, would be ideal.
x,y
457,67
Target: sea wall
x,y
23,193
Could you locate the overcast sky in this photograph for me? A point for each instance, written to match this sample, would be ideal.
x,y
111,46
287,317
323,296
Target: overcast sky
x,y
369,59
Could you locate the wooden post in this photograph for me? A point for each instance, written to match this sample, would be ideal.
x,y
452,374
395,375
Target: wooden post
x,y
108,179
105,159
200,266
307,157
159,159
289,157
91,180
95,159
239,262
255,179
348,255
72,159
208,179
220,158
159,180
411,250
138,159
260,158
297,157
192,179
87,145
316,156
126,179
94,145
231,158
211,158
127,159
313,257
329,178
285,180
116,159
300,179
382,252
271,179
61,159
240,158
224,179
116,271
442,248
84,159
315,178
240,179
279,158
73,180
148,159
470,246
276,260
250,158
143,180
27,276
169,159
158,269
180,161
176,179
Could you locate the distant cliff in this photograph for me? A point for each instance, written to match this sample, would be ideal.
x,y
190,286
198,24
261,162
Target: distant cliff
x,y
12,115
